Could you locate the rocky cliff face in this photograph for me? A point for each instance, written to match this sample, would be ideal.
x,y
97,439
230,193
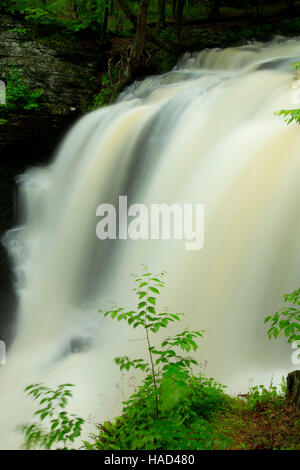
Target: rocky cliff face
x,y
29,137
67,93
67,86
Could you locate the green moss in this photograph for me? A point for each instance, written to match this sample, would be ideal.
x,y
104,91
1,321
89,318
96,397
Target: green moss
x,y
162,61
105,95
19,96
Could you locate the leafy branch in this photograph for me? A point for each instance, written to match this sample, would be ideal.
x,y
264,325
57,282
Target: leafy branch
x,y
286,322
63,428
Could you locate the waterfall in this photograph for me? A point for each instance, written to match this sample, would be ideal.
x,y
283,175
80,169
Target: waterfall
x,y
204,133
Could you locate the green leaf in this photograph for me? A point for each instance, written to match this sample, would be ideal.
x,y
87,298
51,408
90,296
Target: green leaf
x,y
151,310
153,289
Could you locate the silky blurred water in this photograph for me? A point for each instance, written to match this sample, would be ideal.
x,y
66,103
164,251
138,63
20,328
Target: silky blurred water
x,y
205,133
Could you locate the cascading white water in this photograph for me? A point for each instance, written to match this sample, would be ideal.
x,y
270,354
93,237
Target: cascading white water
x,y
203,133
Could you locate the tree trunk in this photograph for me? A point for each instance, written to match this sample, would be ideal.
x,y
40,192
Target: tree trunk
x,y
293,386
178,20
141,27
259,7
161,15
170,46
174,3
112,7
215,9
75,8
105,19
128,13
246,6
290,4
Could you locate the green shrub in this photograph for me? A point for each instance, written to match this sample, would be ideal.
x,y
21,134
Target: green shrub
x,y
19,29
19,96
172,407
42,17
186,405
107,92
260,396
208,397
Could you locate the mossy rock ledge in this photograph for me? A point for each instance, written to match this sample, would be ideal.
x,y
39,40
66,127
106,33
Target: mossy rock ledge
x,y
67,90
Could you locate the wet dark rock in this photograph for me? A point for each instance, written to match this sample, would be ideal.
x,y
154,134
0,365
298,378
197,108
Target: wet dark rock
x,y
67,86
293,386
75,345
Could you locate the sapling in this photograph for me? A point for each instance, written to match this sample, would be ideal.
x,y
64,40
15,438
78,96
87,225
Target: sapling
x,y
172,407
165,362
63,428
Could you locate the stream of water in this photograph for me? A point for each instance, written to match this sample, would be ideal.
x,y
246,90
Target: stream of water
x,y
204,133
